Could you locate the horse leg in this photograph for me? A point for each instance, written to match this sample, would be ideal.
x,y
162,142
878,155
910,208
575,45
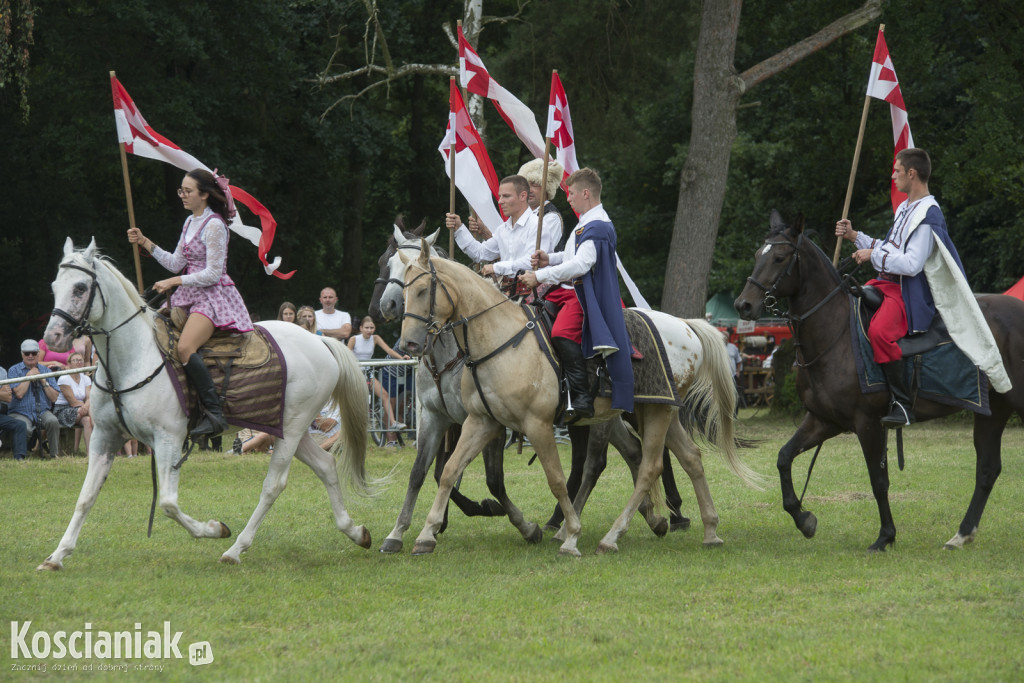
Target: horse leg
x,y
872,442
476,432
326,469
166,452
988,437
593,465
273,484
428,443
689,456
543,439
579,438
677,520
810,433
101,457
487,507
654,421
494,466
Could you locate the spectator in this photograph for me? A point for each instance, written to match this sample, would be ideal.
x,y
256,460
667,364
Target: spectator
x,y
72,406
56,360
287,312
326,428
332,323
31,401
306,319
12,425
363,345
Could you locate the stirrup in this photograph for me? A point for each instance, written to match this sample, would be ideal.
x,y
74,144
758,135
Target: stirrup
x,y
898,416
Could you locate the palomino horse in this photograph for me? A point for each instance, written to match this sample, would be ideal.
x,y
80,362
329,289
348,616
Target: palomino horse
x,y
439,383
790,265
134,398
513,384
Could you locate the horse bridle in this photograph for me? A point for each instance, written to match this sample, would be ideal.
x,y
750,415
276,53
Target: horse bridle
x,y
82,326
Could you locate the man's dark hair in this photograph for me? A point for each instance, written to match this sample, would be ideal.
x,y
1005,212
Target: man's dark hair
x,y
518,182
917,159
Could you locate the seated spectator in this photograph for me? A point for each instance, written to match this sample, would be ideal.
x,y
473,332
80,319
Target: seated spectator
x,y
72,406
363,345
31,401
56,360
249,441
11,425
326,428
287,312
307,319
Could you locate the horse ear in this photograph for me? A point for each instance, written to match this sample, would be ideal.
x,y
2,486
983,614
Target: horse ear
x,y
90,251
420,228
798,225
68,246
775,221
398,234
432,239
424,253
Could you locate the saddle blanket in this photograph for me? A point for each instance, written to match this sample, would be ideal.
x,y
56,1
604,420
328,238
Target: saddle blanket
x,y
652,375
256,373
947,376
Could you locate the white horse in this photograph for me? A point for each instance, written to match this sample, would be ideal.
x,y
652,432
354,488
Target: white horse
x,y
135,398
515,386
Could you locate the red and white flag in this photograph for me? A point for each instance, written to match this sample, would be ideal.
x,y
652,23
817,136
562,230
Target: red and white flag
x,y
883,85
560,128
140,139
474,77
474,173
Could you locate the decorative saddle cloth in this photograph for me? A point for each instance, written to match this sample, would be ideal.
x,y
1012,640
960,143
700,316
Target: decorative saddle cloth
x,y
248,370
936,368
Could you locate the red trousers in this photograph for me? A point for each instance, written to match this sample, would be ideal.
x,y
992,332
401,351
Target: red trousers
x,y
569,322
889,324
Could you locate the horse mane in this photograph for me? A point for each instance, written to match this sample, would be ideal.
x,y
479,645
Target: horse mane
x,y
107,264
812,236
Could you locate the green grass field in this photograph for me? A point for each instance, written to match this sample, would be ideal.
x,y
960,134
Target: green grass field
x,y
307,604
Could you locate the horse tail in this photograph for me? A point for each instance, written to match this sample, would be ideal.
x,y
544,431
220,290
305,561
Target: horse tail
x,y
713,393
349,394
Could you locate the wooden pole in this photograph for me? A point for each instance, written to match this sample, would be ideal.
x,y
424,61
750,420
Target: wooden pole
x,y
451,189
131,208
543,191
853,169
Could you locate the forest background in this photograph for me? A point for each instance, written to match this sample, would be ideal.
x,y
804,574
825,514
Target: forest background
x,y
244,86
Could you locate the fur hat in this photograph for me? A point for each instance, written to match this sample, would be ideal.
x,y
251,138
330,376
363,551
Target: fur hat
x,y
532,171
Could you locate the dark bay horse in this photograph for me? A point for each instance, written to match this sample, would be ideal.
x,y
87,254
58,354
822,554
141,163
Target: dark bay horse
x,y
789,265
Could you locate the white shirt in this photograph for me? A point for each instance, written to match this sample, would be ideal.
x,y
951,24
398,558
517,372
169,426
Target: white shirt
x,y
332,321
77,389
513,242
570,264
552,233
215,237
902,253
329,412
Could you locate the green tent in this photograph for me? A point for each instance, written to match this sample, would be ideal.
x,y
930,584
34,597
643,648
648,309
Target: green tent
x,y
719,310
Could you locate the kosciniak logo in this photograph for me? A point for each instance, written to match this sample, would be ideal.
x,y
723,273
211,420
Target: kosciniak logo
x,y
101,644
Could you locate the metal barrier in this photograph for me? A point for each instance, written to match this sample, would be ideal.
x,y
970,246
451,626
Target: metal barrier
x,y
392,384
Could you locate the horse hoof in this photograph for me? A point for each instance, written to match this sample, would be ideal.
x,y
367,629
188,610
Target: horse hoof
x,y
228,559
390,546
605,548
424,547
569,552
492,508
225,532
959,541
365,541
536,534
808,524
552,527
661,528
879,545
680,524
49,566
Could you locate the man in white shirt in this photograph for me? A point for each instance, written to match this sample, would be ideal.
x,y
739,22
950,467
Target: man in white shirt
x,y
332,323
513,241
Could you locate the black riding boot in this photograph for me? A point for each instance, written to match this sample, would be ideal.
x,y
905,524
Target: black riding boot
x,y
581,403
212,422
900,405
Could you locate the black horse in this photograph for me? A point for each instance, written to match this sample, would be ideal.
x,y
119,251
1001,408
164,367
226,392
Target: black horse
x,y
439,376
789,265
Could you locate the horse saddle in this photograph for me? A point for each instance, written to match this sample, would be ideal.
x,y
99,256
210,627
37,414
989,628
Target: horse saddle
x,y
912,344
248,370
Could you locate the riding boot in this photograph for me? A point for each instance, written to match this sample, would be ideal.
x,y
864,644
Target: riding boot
x,y
581,403
900,405
212,422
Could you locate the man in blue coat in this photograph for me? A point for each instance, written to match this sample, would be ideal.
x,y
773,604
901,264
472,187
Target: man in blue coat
x,y
590,320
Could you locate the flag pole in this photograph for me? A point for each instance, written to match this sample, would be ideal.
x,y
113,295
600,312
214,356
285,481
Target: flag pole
x,y
451,188
131,208
543,191
853,169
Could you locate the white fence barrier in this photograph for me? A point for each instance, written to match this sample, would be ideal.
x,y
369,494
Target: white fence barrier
x,y
392,385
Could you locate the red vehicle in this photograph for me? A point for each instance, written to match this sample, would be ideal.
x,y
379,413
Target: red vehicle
x,y
759,342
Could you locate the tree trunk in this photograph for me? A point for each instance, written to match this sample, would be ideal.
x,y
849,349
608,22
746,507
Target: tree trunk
x,y
716,92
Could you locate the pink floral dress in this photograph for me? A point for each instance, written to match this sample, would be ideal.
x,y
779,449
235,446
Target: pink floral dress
x,y
206,288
